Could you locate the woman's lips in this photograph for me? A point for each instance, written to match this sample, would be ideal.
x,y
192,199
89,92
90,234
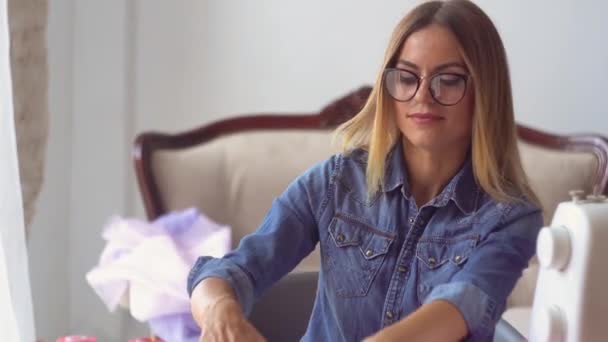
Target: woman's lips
x,y
425,118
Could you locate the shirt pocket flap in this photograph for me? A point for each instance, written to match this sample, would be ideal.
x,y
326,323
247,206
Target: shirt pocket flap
x,y
434,252
376,245
344,233
371,242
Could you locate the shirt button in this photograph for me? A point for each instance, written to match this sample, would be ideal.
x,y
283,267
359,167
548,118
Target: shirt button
x,y
411,220
402,269
457,258
369,252
389,314
432,261
340,238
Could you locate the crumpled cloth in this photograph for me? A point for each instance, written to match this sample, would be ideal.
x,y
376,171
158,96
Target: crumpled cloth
x,y
144,266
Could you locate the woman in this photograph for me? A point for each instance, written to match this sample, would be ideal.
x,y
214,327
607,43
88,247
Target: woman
x,y
426,219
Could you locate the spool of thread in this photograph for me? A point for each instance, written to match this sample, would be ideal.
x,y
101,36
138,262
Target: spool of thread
x,y
76,339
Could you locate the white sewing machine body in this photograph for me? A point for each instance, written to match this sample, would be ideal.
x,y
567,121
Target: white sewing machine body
x,y
571,299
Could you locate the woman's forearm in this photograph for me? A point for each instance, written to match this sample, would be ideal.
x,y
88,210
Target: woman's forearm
x,y
435,321
207,293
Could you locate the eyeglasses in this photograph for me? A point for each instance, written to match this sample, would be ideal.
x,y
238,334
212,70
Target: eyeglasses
x,y
446,88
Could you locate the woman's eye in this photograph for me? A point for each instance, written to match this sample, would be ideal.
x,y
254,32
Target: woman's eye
x,y
408,80
449,80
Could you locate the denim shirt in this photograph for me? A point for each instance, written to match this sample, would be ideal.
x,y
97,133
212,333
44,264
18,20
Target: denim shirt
x,y
383,257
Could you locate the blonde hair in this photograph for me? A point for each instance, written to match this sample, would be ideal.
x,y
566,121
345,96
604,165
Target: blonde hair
x,y
495,156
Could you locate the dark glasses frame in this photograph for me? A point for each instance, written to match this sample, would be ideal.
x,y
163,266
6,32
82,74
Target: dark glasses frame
x,y
419,80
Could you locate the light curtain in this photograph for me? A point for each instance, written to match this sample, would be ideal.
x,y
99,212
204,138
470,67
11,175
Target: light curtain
x,y
16,315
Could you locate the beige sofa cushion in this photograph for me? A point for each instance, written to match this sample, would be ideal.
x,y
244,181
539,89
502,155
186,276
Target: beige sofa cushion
x,y
553,173
235,178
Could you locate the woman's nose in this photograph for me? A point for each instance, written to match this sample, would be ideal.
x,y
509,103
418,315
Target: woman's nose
x,y
423,95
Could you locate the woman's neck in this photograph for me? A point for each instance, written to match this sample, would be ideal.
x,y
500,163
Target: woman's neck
x,y
429,171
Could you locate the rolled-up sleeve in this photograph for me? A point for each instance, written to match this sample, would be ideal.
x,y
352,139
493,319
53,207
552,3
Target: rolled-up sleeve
x,y
287,234
481,288
207,267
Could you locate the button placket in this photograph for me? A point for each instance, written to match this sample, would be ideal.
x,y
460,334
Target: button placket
x,y
399,277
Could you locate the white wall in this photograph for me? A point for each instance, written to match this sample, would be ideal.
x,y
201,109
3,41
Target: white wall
x,y
48,247
120,67
559,61
86,177
100,152
198,61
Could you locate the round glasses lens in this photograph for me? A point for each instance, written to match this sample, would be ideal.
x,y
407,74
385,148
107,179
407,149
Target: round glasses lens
x,y
401,84
448,89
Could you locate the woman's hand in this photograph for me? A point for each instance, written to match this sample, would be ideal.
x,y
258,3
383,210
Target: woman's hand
x,y
380,336
421,325
217,311
371,339
225,322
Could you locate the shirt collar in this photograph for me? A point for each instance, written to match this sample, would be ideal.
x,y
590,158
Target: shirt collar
x,y
395,174
462,189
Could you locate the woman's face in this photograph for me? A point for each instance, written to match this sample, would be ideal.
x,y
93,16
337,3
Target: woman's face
x,y
433,54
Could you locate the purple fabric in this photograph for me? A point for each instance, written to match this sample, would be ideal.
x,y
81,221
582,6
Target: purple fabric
x,y
144,267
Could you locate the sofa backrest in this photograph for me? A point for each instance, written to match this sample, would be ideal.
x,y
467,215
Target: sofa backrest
x,y
233,169
235,178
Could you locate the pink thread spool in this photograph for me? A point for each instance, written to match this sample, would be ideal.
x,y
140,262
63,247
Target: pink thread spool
x,y
76,339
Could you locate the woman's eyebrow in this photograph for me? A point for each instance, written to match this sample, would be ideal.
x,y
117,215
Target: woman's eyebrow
x,y
437,68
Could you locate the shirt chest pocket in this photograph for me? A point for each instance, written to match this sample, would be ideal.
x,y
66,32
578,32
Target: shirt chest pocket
x,y
354,253
440,259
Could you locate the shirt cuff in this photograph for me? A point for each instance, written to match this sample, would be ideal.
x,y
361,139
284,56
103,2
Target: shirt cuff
x,y
208,267
477,308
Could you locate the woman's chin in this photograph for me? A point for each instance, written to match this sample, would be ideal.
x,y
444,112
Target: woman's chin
x,y
423,141
434,145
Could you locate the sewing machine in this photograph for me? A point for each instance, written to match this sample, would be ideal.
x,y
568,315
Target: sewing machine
x,y
570,302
